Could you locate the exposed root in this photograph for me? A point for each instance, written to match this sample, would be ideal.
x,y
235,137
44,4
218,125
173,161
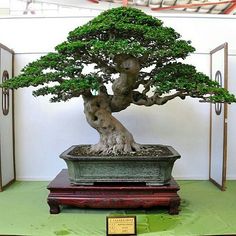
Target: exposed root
x,y
116,149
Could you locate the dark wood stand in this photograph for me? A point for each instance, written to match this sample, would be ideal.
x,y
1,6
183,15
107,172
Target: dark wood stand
x,y
111,195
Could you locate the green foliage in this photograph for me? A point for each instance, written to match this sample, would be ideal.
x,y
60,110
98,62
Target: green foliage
x,y
63,75
185,78
68,88
127,30
118,31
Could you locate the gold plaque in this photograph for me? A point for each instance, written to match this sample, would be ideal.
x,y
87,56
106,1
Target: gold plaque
x,y
121,225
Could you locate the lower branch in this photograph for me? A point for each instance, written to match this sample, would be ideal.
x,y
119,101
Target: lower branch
x,y
143,99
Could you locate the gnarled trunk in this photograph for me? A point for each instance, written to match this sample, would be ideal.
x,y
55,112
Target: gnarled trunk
x,y
114,137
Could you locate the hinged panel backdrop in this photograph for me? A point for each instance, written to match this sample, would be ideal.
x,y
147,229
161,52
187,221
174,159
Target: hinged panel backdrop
x,y
7,163
218,119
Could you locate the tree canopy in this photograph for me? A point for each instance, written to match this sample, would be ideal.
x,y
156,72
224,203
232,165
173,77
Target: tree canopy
x,y
103,44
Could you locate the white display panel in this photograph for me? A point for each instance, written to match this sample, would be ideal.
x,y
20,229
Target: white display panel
x,y
7,163
218,119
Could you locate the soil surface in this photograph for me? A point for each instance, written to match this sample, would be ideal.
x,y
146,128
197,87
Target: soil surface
x,y
146,150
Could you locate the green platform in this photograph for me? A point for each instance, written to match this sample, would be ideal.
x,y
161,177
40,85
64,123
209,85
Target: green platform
x,y
205,211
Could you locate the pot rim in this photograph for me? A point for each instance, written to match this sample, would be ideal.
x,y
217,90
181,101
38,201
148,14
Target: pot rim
x,y
66,156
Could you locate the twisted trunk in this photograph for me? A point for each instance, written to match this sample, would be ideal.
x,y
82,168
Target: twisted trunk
x,y
114,137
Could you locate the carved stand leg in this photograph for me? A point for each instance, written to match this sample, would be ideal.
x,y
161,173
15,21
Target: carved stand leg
x,y
54,206
174,206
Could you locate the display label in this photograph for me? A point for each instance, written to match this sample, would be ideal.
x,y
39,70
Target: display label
x,y
121,225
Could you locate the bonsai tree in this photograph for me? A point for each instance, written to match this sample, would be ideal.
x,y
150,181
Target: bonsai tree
x,y
136,55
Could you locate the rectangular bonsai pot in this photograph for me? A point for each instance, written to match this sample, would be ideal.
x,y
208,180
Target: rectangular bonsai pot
x,y
152,170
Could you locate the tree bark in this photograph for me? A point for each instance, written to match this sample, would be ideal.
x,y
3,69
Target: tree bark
x,y
114,137
123,86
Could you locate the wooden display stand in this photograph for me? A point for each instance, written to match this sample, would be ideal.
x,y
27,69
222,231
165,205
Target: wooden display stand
x,y
111,195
